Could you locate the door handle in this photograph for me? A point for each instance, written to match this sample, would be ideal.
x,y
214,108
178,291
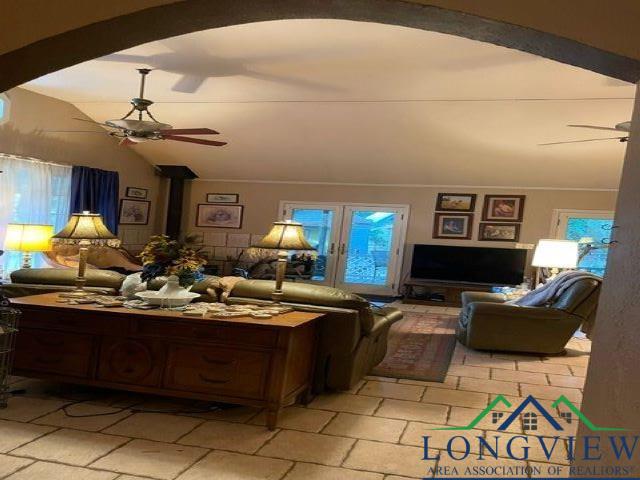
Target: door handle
x,y
342,249
332,250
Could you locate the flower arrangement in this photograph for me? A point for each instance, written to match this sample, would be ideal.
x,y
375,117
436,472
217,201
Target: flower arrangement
x,y
163,256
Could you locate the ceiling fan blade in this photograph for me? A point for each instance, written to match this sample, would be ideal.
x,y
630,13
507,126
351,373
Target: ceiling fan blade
x,y
75,131
189,131
98,123
622,139
595,127
126,141
188,84
193,140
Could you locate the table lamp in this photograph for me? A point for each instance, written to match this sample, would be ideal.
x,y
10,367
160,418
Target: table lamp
x,y
284,236
84,229
556,254
28,238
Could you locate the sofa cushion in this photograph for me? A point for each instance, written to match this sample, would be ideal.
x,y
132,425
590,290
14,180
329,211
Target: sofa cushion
x,y
64,276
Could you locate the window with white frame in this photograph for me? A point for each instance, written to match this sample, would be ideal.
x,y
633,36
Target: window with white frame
x,y
4,108
31,192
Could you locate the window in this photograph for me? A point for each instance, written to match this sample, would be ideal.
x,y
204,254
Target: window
x,y
31,192
4,108
530,421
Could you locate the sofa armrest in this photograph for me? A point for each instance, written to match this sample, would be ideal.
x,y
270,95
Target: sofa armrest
x,y
383,318
471,297
488,311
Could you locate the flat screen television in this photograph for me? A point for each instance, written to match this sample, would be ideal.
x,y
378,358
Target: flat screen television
x,y
501,266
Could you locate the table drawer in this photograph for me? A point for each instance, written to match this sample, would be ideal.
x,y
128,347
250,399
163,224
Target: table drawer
x,y
54,352
243,335
85,322
223,371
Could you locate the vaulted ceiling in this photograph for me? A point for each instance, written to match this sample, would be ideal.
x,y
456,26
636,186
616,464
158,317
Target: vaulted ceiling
x,y
354,102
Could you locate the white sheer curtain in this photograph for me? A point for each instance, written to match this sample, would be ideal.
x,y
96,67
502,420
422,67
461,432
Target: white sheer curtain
x,y
31,191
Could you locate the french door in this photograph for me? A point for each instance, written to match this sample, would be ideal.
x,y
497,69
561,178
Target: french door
x,y
359,246
592,229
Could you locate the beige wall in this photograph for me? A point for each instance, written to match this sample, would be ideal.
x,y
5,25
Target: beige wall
x,y
261,201
32,114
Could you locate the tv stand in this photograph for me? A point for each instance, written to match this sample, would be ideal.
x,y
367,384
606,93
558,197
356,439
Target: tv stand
x,y
442,294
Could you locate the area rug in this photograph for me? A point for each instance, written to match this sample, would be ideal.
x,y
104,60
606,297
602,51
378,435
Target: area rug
x,y
420,347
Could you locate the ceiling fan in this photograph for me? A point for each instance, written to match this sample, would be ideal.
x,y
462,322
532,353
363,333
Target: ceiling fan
x,y
132,131
620,127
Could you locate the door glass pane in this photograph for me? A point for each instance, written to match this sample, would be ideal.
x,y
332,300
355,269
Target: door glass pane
x,y
591,232
369,247
317,230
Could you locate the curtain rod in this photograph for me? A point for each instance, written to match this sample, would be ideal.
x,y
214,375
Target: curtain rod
x,y
33,160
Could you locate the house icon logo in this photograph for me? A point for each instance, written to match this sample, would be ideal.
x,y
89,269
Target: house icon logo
x,y
530,418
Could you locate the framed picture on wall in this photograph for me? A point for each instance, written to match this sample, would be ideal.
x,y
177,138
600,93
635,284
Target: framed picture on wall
x,y
223,198
456,202
217,215
453,225
135,192
134,212
499,232
503,208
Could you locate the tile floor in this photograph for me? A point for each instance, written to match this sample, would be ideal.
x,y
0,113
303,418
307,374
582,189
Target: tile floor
x,y
372,432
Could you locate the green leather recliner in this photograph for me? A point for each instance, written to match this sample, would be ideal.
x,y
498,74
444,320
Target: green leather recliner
x,y
486,322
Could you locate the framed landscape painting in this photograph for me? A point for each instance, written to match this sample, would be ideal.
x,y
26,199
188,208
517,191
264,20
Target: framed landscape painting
x,y
219,215
222,197
456,202
134,212
499,232
136,192
453,225
503,208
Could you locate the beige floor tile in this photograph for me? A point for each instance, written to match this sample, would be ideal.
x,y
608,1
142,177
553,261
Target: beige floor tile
x,y
488,386
387,458
151,459
353,390
345,402
517,444
14,434
55,471
392,390
9,465
438,439
308,471
579,360
398,477
154,426
547,470
566,381
522,357
449,381
461,417
235,466
405,410
469,371
487,361
235,437
74,447
465,469
374,378
365,427
578,371
25,409
308,447
455,397
542,367
89,417
550,392
535,378
234,413
297,418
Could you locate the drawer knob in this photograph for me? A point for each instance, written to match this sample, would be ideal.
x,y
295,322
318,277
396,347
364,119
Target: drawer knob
x,y
215,361
204,378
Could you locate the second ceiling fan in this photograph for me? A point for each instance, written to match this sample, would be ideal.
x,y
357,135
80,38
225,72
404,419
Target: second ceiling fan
x,y
620,127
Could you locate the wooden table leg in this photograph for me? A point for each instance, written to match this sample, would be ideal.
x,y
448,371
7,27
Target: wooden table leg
x,y
272,417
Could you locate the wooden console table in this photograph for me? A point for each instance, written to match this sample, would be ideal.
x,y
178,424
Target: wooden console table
x,y
449,292
264,363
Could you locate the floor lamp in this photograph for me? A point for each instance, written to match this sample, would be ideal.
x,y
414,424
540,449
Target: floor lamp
x,y
27,238
283,237
83,229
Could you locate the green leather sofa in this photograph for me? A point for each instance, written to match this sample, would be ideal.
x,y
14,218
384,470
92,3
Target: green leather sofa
x,y
486,322
353,334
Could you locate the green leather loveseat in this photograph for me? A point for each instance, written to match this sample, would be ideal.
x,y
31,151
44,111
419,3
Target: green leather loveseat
x,y
353,334
486,322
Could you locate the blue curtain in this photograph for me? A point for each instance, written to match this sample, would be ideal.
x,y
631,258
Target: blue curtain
x,y
97,191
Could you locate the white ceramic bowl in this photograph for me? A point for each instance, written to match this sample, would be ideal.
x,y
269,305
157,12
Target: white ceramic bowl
x,y
156,298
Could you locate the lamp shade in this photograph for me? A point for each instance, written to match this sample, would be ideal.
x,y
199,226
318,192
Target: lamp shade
x,y
285,236
85,226
553,253
28,238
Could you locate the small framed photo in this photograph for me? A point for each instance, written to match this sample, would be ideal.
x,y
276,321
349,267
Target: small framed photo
x,y
134,212
223,198
453,225
135,192
456,202
503,208
217,215
499,232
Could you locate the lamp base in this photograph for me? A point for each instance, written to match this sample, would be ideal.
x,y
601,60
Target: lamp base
x,y
76,294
